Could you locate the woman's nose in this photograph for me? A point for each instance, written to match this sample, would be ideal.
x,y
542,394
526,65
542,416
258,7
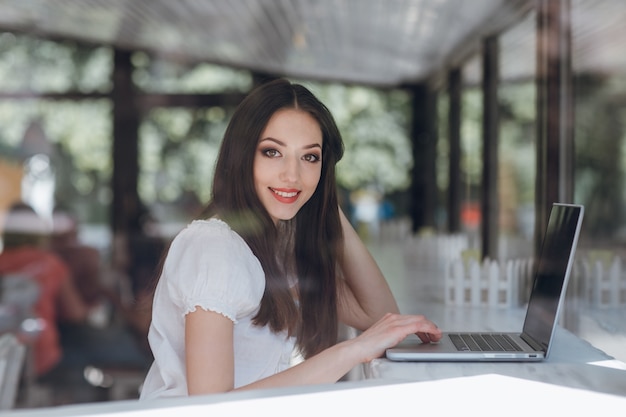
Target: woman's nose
x,y
290,170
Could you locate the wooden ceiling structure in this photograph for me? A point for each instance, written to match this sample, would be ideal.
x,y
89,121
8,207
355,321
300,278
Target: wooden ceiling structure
x,y
371,42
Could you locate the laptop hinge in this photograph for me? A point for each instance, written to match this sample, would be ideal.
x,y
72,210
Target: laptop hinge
x,y
533,343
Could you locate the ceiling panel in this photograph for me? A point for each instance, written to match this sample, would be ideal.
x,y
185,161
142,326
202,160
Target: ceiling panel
x,y
362,41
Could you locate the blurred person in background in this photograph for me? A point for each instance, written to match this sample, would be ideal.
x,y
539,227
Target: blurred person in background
x,y
25,253
110,337
67,274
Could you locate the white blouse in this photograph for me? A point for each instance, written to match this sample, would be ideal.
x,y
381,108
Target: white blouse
x,y
210,266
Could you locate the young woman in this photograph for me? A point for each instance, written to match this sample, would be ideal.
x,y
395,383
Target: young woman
x,y
272,266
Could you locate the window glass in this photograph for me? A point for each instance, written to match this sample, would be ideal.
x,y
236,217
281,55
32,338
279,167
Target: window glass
x,y
471,146
517,142
599,73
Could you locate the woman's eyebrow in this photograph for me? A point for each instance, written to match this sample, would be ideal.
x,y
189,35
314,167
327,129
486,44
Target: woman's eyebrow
x,y
276,141
281,143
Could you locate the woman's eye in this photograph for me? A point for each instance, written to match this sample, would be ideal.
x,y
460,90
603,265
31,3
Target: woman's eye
x,y
312,157
272,153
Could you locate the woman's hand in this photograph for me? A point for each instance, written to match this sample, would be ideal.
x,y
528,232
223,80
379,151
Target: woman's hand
x,y
391,330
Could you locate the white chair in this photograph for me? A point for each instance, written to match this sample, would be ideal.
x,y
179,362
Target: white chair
x,y
12,354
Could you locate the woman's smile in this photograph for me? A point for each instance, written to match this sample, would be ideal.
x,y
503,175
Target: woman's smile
x,y
287,196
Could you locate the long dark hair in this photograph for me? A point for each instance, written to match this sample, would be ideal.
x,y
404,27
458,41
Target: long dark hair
x,y
314,234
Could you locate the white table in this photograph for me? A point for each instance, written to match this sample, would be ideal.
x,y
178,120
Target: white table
x,y
573,362
570,381
370,398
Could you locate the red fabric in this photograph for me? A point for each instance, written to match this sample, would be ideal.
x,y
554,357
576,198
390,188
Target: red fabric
x,y
49,272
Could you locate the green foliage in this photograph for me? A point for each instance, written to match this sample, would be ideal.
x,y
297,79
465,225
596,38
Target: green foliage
x,y
178,146
158,75
178,149
32,64
517,144
471,138
374,127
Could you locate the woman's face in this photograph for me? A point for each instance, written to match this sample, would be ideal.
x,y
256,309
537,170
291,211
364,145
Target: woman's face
x,y
288,162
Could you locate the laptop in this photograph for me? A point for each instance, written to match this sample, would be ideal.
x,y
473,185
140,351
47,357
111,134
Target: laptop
x,y
546,299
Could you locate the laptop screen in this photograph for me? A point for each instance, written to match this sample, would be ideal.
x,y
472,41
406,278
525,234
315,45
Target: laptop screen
x,y
552,272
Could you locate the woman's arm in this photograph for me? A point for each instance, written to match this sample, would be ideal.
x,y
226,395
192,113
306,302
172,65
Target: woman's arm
x,y
210,363
209,356
333,363
364,295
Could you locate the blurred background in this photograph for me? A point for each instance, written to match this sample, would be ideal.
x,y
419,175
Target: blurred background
x,y
459,119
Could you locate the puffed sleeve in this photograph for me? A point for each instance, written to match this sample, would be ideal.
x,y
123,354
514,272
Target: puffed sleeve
x,y
211,267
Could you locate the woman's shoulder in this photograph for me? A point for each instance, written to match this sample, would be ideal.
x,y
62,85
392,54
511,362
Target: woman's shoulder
x,y
209,229
213,238
215,224
206,260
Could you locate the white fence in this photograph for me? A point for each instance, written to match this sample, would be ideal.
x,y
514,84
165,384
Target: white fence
x,y
598,281
598,278
469,282
602,279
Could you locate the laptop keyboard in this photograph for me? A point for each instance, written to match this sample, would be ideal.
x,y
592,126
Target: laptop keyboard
x,y
484,342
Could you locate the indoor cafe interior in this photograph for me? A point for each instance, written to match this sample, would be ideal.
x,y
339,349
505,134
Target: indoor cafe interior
x,y
463,123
